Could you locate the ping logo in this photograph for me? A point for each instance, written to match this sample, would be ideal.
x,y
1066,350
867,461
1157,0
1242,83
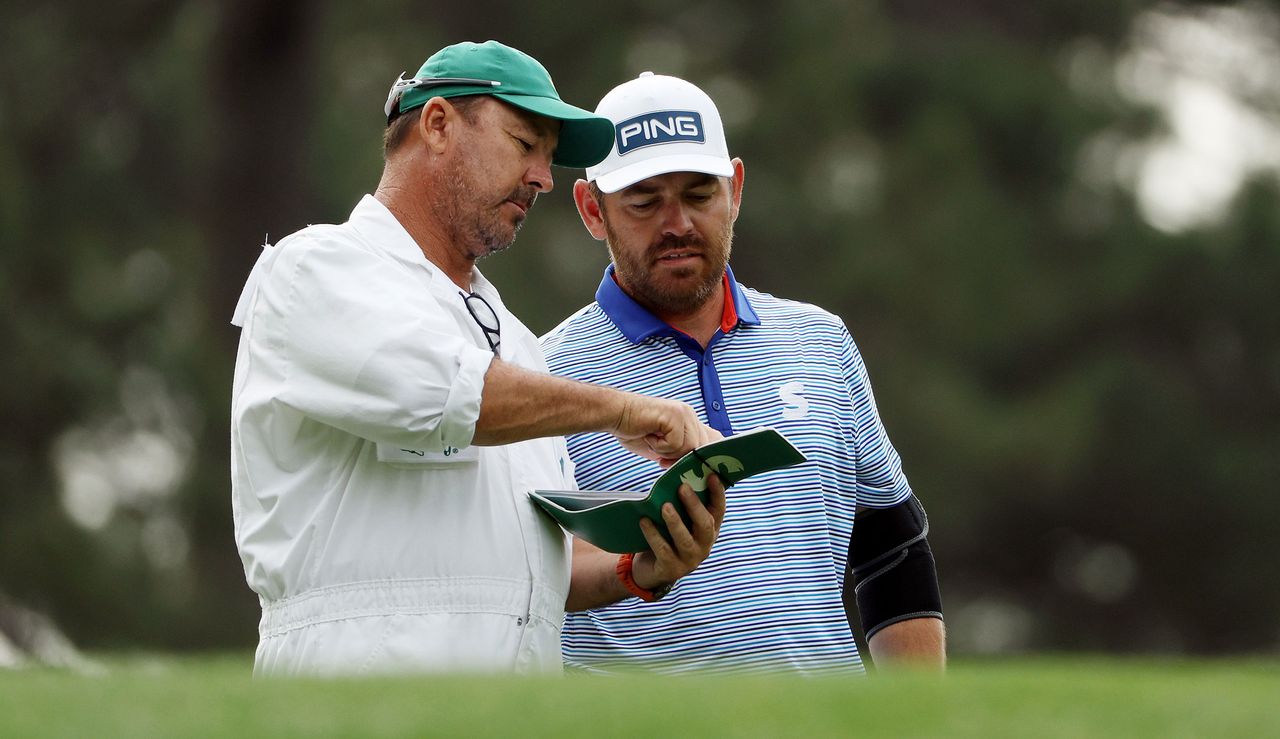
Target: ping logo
x,y
659,127
722,464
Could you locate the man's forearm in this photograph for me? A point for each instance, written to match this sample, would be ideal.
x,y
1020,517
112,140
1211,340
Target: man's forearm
x,y
520,404
917,643
594,582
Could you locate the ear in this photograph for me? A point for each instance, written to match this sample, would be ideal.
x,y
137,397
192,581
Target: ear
x,y
589,209
738,178
436,124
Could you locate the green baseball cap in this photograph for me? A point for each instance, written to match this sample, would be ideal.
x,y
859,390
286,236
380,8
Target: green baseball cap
x,y
514,77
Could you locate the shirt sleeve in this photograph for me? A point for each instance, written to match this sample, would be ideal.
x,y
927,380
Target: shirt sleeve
x,y
359,343
880,480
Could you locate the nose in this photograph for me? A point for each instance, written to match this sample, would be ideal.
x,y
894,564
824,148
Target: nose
x,y
538,176
676,220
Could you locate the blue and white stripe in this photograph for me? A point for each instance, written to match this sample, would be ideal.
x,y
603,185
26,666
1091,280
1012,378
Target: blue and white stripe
x,y
769,595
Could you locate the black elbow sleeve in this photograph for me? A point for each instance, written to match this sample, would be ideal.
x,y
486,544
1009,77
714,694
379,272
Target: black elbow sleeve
x,y
895,578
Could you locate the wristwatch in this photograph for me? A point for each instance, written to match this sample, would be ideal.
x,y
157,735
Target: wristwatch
x,y
629,582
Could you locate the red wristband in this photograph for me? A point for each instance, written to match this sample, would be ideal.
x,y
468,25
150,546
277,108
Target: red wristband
x,y
629,582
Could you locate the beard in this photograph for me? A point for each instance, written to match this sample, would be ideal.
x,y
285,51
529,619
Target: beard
x,y
473,214
676,292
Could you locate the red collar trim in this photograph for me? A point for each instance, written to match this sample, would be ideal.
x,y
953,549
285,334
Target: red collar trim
x,y
729,318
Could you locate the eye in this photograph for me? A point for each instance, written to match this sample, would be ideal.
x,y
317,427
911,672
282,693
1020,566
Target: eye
x,y
525,145
643,204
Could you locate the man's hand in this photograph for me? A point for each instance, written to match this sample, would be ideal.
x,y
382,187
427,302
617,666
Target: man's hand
x,y
665,562
661,430
594,582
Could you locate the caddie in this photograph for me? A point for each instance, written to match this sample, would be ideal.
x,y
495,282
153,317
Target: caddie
x,y
390,415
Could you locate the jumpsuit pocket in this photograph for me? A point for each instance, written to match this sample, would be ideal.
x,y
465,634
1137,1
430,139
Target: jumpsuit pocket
x,y
443,457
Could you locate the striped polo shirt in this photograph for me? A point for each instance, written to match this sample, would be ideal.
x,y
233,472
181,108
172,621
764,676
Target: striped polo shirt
x,y
769,595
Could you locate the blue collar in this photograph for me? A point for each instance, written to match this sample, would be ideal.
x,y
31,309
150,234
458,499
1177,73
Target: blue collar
x,y
637,323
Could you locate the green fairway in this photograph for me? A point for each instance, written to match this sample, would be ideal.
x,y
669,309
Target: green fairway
x,y
193,697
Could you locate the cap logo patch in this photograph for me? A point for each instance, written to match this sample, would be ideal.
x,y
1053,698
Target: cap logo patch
x,y
659,127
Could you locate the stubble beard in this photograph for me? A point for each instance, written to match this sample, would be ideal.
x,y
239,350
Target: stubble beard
x,y
680,296
476,226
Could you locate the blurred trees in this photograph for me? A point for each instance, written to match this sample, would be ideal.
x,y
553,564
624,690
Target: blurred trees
x,y
1088,405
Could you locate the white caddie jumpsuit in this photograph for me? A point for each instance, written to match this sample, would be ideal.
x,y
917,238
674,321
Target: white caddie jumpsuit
x,y
377,538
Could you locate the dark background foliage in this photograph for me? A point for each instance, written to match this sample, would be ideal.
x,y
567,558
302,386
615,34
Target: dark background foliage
x,y
1081,373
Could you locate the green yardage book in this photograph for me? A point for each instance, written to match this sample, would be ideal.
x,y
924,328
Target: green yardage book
x,y
610,519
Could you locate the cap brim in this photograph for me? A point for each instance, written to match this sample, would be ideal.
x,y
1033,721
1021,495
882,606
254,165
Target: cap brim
x,y
585,138
646,168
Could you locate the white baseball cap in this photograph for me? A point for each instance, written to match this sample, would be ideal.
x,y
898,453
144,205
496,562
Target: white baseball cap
x,y
660,124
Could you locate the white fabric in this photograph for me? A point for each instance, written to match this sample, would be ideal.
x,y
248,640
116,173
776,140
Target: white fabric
x,y
377,538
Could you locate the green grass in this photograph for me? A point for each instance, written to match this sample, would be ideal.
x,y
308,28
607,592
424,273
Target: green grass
x,y
214,697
